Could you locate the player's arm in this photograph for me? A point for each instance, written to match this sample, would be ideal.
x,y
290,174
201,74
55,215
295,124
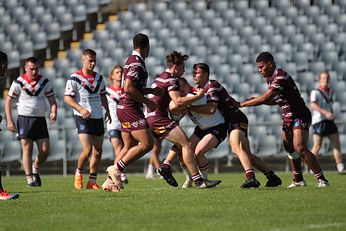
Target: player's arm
x,y
69,100
265,98
209,108
329,115
104,103
53,108
131,90
185,100
8,112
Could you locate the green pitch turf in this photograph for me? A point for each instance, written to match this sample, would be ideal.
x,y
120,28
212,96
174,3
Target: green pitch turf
x,y
154,205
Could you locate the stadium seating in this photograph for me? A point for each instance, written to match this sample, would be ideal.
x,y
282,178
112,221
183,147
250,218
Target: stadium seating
x,y
304,36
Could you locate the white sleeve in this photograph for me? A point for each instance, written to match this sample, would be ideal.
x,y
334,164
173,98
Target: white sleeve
x,y
69,89
313,96
49,91
15,90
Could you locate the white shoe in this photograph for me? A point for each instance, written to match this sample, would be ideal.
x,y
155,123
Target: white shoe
x,y
188,183
208,184
322,183
297,184
115,175
109,186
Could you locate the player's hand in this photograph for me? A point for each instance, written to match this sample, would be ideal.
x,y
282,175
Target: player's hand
x,y
241,104
10,126
85,113
108,117
330,116
52,117
199,92
157,91
150,104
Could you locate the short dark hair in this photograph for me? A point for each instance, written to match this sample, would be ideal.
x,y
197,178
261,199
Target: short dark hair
x,y
89,52
3,57
203,66
31,60
140,41
176,58
265,57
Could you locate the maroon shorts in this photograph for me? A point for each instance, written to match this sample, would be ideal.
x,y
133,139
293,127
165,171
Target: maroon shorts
x,y
297,123
132,119
161,126
238,121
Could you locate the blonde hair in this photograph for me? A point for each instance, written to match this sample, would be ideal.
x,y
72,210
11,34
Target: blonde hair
x,y
114,68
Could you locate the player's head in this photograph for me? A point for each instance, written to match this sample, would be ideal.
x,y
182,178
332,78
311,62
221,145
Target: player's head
x,y
175,61
31,67
141,43
89,60
3,63
115,74
265,64
324,78
200,73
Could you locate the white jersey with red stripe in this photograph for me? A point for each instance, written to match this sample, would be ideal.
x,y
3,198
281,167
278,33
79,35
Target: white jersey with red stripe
x,y
86,90
31,95
205,121
113,96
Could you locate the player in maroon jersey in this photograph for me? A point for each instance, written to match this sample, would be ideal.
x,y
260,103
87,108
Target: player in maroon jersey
x,y
218,98
135,131
164,127
296,117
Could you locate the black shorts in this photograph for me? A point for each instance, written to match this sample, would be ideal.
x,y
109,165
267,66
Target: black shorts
x,y
239,121
325,128
33,128
90,126
114,133
219,131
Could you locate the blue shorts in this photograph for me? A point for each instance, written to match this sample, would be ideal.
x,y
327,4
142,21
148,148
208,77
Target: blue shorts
x,y
325,128
219,131
89,126
32,128
114,133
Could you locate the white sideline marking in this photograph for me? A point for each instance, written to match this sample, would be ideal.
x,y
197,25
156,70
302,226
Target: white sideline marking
x,y
310,227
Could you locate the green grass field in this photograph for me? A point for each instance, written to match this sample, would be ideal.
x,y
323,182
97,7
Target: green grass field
x,y
154,205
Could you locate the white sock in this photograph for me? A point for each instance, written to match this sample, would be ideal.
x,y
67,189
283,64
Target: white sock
x,y
29,179
34,169
340,167
150,170
188,174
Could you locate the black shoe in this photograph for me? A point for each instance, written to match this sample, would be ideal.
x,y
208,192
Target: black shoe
x,y
37,179
33,184
167,175
252,183
273,181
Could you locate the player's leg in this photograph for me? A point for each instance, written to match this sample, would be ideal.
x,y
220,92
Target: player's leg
x,y
43,152
95,160
300,139
165,169
117,144
294,159
27,147
238,144
194,140
178,136
154,161
273,179
317,142
335,141
86,143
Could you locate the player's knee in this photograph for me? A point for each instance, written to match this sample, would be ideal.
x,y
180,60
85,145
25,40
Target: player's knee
x,y
300,149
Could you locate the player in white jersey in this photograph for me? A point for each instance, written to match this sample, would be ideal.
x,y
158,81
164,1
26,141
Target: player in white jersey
x,y
3,69
30,90
210,131
322,99
113,92
85,92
